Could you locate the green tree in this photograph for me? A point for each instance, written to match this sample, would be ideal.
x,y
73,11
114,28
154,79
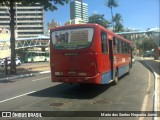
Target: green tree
x,y
111,4
147,45
117,19
99,19
47,4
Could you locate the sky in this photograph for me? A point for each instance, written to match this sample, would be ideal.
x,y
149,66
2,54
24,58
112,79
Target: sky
x,y
136,14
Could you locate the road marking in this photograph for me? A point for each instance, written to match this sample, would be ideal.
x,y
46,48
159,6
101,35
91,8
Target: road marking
x,y
145,100
156,91
45,72
149,81
16,97
156,95
40,79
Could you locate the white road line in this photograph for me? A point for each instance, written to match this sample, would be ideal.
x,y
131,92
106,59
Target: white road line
x,y
144,106
145,100
156,92
45,72
156,95
40,79
149,81
16,97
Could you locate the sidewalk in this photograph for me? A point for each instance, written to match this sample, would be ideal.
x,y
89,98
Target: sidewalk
x,y
26,70
155,67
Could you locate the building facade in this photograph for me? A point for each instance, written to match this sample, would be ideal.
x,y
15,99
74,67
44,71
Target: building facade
x,y
78,9
29,20
75,21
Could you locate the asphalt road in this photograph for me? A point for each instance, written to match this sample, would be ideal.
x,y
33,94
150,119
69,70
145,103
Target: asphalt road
x,y
133,92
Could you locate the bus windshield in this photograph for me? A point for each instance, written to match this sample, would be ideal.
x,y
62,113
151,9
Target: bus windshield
x,y
72,39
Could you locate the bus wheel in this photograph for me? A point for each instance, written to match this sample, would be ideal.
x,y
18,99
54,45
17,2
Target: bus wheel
x,y
45,60
115,81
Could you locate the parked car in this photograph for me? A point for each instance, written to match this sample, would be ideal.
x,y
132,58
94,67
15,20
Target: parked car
x,y
148,54
2,64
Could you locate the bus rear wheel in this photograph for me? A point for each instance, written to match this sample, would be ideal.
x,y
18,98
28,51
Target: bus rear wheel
x,y
115,81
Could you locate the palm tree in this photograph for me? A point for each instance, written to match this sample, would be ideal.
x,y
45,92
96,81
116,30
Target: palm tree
x,y
111,4
117,19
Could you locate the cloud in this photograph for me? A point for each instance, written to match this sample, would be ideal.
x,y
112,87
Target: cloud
x,y
95,12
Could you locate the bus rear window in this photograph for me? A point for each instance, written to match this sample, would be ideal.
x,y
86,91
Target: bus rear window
x,y
72,39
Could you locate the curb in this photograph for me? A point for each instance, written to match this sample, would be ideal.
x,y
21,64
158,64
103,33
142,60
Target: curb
x,y
25,75
155,90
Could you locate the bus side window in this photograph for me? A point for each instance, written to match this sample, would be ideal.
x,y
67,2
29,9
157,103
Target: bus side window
x,y
119,46
127,49
115,43
123,47
104,42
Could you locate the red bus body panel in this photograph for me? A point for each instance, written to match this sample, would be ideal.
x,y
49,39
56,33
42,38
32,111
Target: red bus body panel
x,y
86,65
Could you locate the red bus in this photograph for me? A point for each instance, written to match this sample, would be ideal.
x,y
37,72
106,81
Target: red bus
x,y
88,53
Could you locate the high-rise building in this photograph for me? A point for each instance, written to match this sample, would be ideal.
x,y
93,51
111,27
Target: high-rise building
x,y
78,9
29,20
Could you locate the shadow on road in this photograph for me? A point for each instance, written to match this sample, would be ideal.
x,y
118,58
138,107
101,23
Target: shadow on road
x,y
72,91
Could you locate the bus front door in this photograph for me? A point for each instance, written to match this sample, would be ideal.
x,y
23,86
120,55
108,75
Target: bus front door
x,y
114,71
